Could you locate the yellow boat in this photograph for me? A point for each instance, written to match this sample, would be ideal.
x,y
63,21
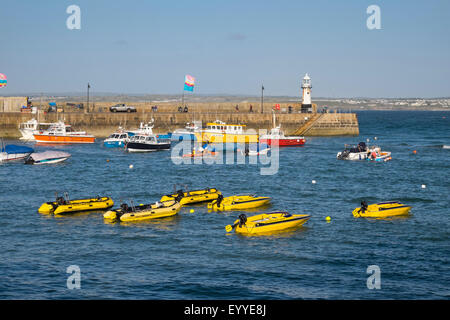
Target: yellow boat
x,y
61,205
239,202
192,197
144,211
267,222
381,210
220,132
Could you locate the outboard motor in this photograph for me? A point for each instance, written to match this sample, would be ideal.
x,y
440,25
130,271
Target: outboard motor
x,y
242,219
344,154
180,195
219,200
362,146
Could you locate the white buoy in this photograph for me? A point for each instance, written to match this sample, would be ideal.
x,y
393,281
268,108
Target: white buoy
x,y
375,138
313,182
424,186
131,166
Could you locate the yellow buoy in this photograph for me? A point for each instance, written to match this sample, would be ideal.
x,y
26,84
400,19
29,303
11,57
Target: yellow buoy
x,y
328,219
192,211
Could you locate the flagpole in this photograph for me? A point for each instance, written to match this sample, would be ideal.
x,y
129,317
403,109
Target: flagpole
x,y
262,99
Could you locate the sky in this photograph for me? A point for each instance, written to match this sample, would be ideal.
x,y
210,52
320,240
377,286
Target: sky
x,y
230,47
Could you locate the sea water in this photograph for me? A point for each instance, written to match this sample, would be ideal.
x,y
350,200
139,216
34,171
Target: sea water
x,y
190,256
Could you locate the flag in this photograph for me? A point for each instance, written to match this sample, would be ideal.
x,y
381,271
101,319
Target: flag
x,y
189,82
2,80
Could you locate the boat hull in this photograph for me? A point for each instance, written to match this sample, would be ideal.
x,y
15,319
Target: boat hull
x,y
43,138
284,142
145,147
78,205
145,212
195,196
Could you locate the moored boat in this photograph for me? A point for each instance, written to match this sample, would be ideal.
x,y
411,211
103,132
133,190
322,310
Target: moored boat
x,y
64,205
194,196
359,152
12,152
220,132
28,128
117,139
187,133
62,133
267,222
238,202
381,210
146,143
276,137
143,212
47,157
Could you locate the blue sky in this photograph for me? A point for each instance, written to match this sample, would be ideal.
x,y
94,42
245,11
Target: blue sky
x,y
230,47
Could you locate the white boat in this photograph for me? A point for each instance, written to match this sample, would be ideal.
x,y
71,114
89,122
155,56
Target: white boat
x,y
359,152
144,128
256,149
12,152
376,154
187,133
28,128
47,157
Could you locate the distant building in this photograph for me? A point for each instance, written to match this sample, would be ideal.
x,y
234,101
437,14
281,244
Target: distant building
x,y
13,104
306,95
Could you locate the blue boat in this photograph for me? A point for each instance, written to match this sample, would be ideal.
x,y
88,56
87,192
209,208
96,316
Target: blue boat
x,y
12,152
117,140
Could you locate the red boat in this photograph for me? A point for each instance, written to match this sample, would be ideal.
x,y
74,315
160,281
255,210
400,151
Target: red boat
x,y
277,137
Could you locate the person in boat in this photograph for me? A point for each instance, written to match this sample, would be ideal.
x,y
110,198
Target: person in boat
x,y
61,201
364,206
180,195
219,200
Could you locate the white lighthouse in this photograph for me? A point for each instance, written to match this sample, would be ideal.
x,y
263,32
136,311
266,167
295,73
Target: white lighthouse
x,y
306,95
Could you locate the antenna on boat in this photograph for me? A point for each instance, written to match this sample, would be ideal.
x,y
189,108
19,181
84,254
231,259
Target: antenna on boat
x,y
66,195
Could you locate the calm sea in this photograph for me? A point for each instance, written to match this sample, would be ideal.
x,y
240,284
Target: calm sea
x,y
190,256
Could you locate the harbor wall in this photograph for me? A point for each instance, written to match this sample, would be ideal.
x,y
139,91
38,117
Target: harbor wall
x,y
101,124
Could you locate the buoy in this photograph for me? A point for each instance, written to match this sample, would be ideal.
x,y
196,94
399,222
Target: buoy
x,y
107,160
375,138
313,182
192,211
131,166
424,186
328,219
414,151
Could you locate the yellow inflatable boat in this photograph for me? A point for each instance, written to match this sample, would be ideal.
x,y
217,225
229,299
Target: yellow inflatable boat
x,y
267,222
192,197
239,202
62,205
381,210
144,211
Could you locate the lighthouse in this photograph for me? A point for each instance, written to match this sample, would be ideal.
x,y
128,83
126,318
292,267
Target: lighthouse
x,y
306,95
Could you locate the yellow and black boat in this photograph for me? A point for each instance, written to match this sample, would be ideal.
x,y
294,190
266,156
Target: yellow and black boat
x,y
193,197
239,202
144,211
381,210
64,205
267,222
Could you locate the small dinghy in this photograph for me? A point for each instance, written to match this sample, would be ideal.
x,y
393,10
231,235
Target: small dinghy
x,y
64,205
255,149
267,222
194,196
358,152
143,212
47,157
381,210
238,202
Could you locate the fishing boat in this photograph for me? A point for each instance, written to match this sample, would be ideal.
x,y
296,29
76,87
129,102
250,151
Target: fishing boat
x,y
29,127
146,143
12,152
359,152
267,222
144,128
220,132
62,133
194,196
144,212
276,137
64,205
238,202
47,157
381,210
117,140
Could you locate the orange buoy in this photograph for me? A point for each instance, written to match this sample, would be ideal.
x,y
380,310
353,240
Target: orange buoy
x,y
414,151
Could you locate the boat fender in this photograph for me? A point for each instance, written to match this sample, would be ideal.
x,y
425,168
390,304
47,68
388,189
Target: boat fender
x,y
242,219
